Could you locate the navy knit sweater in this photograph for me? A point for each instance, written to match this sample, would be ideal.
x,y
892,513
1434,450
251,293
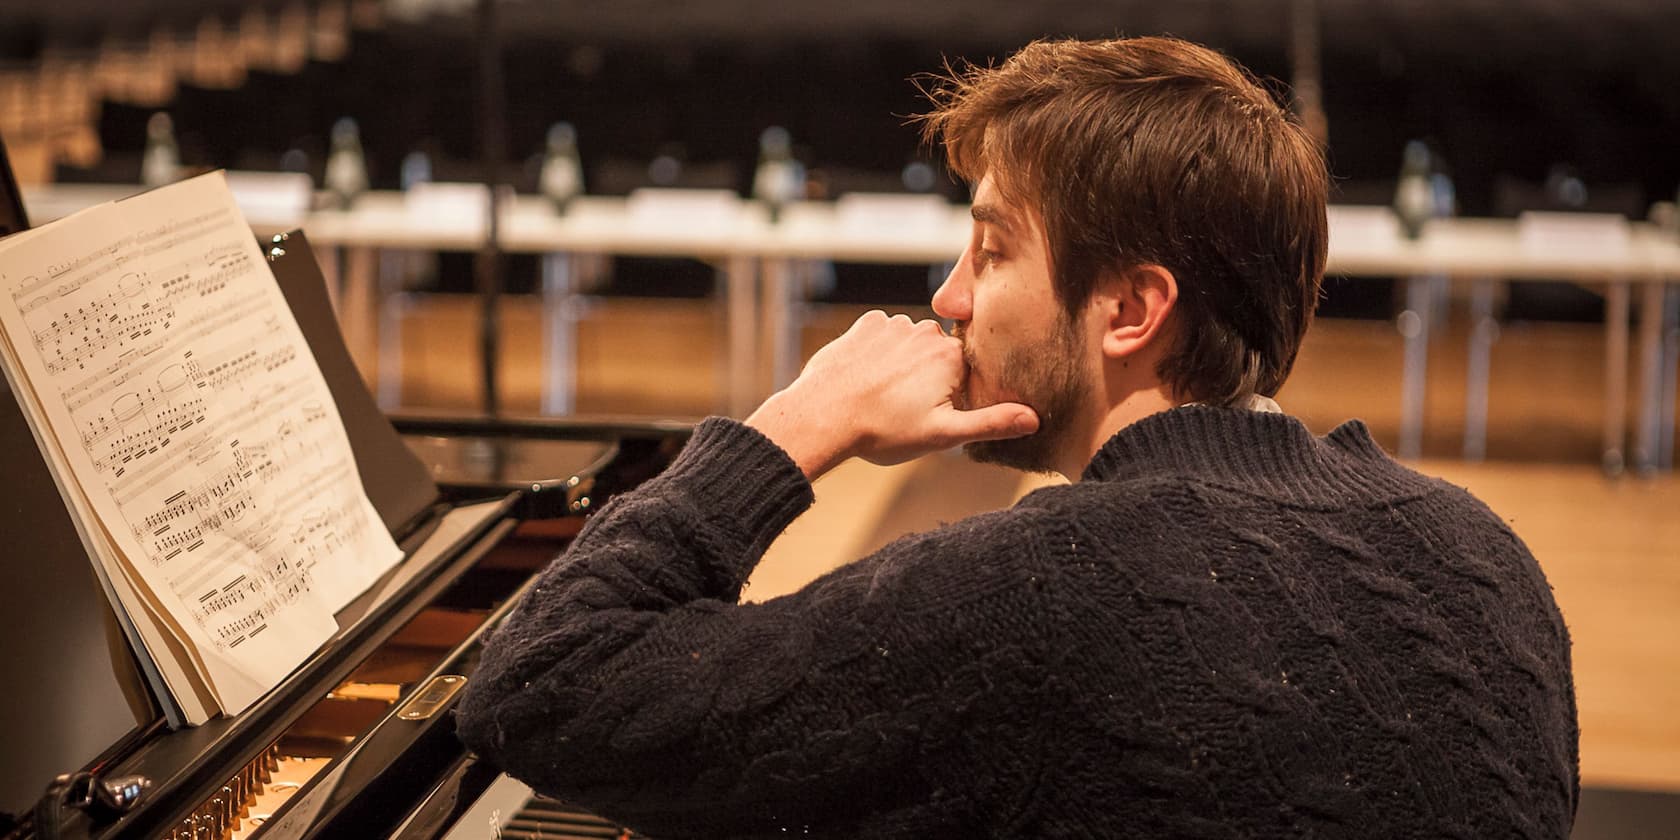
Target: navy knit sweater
x,y
1228,628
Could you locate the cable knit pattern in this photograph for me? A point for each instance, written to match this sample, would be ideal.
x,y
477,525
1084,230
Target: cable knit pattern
x,y
1227,629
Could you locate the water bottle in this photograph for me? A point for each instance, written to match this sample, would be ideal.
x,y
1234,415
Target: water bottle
x,y
161,162
561,178
416,169
346,176
779,178
1415,199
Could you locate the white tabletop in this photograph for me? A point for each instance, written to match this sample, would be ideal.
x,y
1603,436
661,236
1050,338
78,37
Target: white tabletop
x,y
890,229
1498,248
55,201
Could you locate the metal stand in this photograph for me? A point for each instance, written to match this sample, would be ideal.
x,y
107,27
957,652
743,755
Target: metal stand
x,y
1616,308
562,308
1416,325
1652,315
740,283
1484,331
1670,370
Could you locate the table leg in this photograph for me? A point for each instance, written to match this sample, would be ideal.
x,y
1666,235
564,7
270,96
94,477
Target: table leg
x,y
740,283
1414,325
358,311
560,313
332,271
1670,373
782,320
1651,317
1484,331
1616,306
390,306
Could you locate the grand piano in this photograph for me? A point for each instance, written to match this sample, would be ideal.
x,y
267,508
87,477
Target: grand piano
x,y
359,741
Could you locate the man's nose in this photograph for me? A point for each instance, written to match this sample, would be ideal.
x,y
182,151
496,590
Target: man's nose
x,y
952,300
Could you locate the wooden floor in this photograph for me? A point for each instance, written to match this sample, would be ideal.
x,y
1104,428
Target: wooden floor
x,y
1611,548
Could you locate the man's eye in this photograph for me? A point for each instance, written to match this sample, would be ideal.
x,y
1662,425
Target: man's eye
x,y
983,257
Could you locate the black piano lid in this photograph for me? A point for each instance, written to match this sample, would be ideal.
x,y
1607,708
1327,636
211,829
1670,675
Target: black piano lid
x,y
77,693
12,215
75,690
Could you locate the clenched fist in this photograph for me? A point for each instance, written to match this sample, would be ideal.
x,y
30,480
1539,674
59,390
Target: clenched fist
x,y
882,391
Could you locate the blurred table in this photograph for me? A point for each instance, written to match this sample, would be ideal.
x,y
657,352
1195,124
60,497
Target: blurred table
x,y
879,229
1484,252
55,201
702,225
756,263
1364,242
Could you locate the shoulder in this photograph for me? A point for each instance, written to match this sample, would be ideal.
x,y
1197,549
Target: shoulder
x,y
1130,505
959,561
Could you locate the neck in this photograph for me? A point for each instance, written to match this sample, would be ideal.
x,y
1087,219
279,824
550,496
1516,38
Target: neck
x,y
1121,408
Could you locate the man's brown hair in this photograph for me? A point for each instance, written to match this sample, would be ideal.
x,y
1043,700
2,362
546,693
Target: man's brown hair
x,y
1156,151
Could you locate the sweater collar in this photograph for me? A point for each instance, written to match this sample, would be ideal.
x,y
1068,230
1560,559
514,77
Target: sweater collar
x,y
1241,447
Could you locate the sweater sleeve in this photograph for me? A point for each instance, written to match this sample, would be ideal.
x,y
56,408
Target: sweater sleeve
x,y
630,681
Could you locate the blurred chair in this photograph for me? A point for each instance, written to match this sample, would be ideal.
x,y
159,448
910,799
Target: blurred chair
x,y
1518,300
879,284
1418,308
1562,192
793,287
650,277
406,277
1360,298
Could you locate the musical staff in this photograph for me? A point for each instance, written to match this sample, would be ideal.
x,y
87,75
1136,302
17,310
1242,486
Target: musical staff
x,y
131,359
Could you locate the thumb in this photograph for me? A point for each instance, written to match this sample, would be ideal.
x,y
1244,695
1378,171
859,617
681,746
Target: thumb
x,y
994,422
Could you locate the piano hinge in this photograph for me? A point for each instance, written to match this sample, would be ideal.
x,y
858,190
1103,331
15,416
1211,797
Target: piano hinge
x,y
434,696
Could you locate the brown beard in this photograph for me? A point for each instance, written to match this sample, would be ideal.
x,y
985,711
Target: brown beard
x,y
1046,376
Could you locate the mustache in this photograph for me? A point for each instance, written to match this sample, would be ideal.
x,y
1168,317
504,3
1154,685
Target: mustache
x,y
959,392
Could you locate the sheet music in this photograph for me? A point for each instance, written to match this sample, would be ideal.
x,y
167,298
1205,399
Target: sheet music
x,y
192,415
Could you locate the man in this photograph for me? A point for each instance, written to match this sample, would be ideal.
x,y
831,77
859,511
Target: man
x,y
1223,627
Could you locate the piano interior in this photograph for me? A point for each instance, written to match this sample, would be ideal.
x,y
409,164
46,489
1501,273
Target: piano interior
x,y
327,730
358,742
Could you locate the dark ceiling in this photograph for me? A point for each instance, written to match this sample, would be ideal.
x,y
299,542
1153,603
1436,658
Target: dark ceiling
x,y
1570,32
1500,85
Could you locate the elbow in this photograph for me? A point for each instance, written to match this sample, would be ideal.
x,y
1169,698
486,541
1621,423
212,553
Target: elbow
x,y
475,724
519,731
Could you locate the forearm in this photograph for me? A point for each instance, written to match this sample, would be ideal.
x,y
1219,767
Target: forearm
x,y
688,535
693,532
634,687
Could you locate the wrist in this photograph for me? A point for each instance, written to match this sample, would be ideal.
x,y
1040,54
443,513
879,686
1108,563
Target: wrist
x,y
811,441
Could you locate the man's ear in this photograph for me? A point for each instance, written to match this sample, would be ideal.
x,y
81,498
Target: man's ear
x,y
1135,307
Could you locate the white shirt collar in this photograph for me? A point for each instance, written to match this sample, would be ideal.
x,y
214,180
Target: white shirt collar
x,y
1254,402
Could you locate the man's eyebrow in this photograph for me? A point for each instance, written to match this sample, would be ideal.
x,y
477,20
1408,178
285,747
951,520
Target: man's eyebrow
x,y
992,214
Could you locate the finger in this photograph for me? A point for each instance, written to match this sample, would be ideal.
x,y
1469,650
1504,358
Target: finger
x,y
994,422
870,317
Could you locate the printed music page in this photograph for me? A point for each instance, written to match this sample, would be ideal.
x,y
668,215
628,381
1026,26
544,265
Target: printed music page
x,y
192,420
